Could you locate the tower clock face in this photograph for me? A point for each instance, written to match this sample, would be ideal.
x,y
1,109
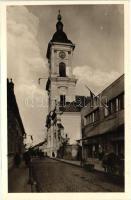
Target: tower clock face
x,y
62,54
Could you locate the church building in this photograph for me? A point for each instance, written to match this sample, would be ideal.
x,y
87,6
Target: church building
x,y
63,104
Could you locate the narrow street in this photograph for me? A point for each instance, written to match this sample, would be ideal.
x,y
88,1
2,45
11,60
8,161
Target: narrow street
x,y
55,176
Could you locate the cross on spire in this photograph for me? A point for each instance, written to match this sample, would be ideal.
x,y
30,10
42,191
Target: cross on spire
x,y
59,16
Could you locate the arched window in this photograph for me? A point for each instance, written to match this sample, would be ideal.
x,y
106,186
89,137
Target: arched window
x,y
62,69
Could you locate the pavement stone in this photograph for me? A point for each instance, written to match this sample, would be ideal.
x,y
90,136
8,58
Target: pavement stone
x,y
55,176
97,165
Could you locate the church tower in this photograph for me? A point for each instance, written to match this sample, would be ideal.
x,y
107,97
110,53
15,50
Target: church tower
x,y
61,82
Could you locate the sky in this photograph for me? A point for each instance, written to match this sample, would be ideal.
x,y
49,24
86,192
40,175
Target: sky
x,y
98,34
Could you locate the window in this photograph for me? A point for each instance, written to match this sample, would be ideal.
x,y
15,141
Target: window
x,y
121,102
115,105
106,111
62,69
59,134
62,100
89,118
96,115
84,121
92,117
112,106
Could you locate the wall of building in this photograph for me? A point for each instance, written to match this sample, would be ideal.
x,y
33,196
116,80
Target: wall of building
x,y
72,125
71,152
16,130
62,86
55,58
103,127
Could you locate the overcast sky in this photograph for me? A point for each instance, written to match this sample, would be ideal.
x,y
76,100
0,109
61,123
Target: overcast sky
x,y
96,30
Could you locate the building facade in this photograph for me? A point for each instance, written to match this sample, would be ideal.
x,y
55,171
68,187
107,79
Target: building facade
x,y
16,132
72,152
103,123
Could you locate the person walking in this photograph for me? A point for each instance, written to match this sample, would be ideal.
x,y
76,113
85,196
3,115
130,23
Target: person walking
x,y
27,158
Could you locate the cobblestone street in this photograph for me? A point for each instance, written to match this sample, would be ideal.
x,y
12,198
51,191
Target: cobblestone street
x,y
55,176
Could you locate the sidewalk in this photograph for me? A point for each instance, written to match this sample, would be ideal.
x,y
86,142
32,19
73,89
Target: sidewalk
x,y
71,162
18,179
97,164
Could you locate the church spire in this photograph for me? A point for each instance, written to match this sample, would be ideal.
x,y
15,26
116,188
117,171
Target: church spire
x,y
59,16
59,36
59,25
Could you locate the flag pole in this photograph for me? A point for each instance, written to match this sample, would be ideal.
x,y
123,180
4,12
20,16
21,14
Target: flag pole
x,y
89,90
97,97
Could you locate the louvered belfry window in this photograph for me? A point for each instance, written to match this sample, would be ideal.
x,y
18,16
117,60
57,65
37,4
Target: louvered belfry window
x,y
62,69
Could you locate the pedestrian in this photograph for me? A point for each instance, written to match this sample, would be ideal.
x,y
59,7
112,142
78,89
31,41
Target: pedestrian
x,y
53,154
27,158
93,151
82,160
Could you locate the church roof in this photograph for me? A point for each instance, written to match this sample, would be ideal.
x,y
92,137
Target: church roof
x,y
77,105
60,36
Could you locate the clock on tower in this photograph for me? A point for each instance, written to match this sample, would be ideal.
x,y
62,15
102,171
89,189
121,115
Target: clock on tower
x,y
62,54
